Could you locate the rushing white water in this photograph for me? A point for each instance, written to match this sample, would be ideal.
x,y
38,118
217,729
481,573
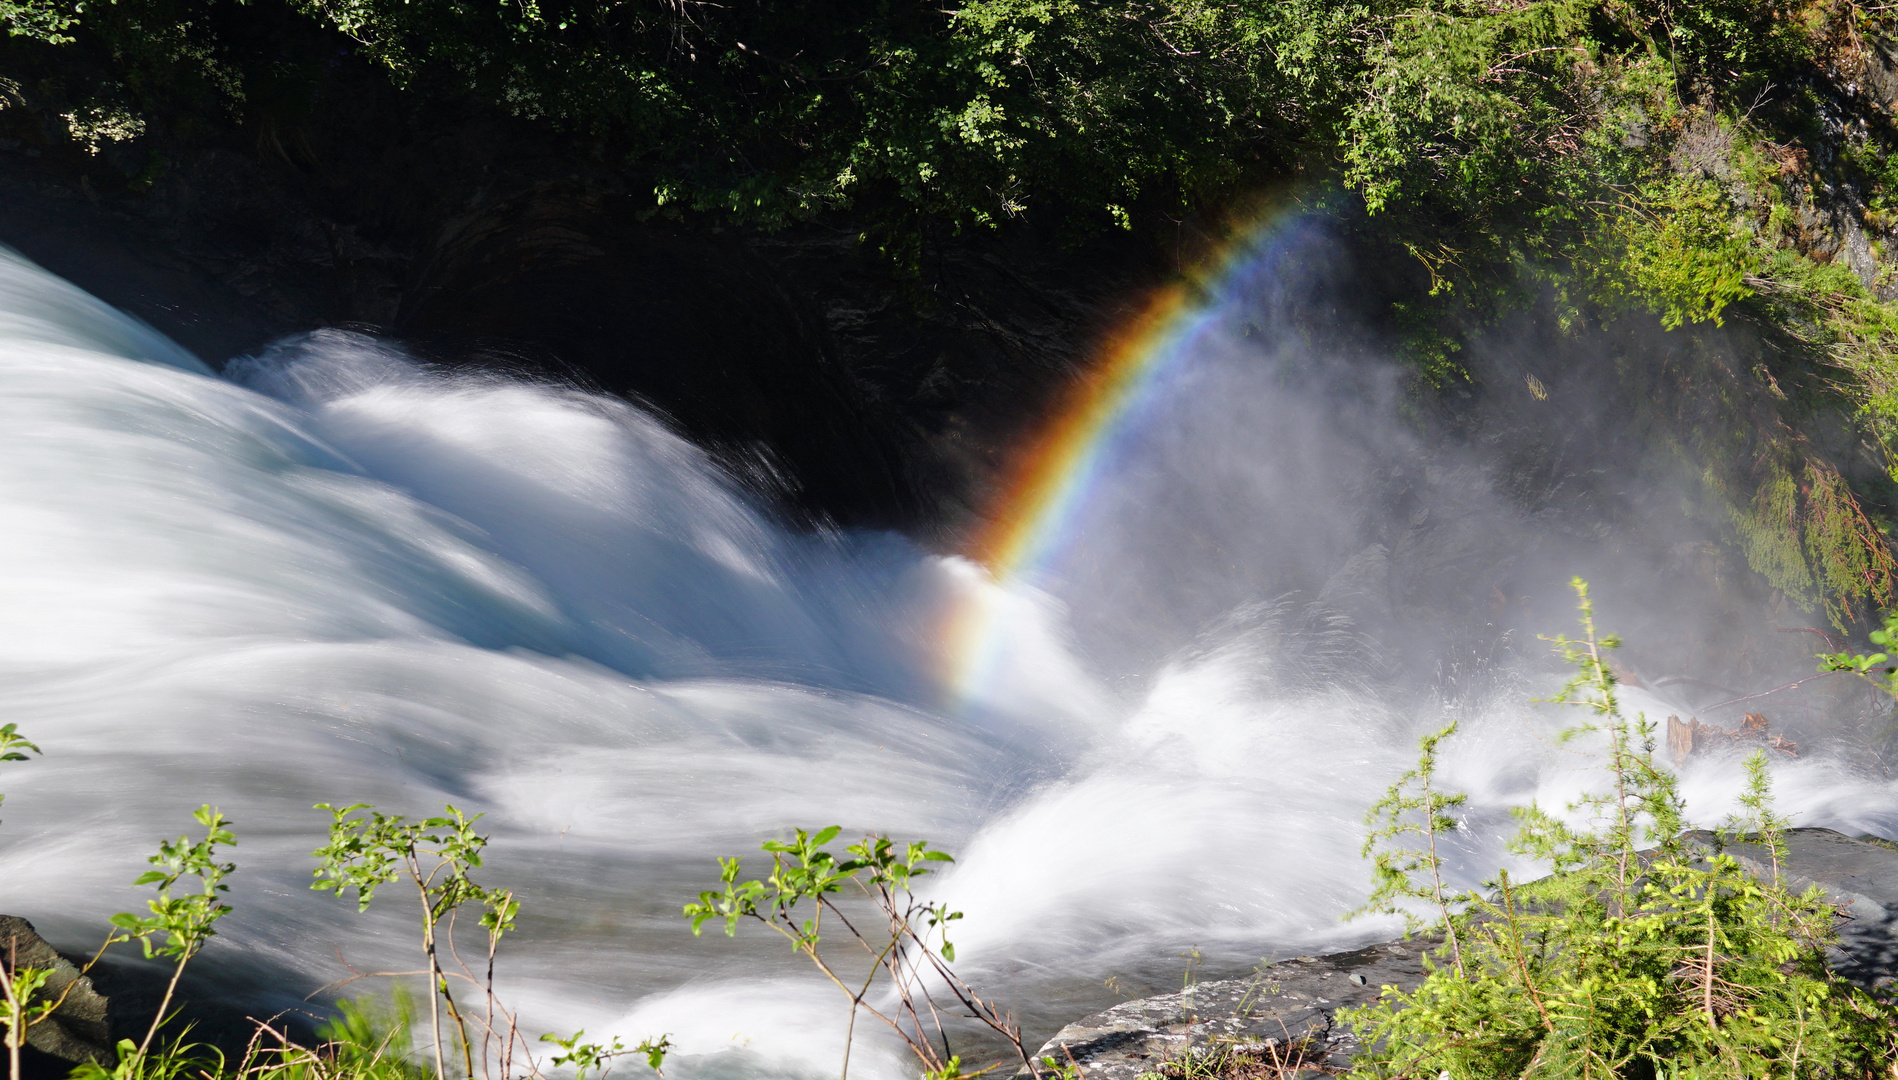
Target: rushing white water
x,y
336,576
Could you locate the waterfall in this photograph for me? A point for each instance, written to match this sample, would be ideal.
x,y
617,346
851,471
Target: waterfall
x,y
336,574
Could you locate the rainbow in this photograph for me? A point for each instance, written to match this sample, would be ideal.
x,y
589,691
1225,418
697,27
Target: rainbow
x,y
1032,521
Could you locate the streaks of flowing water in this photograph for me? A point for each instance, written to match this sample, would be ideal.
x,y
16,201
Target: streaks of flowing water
x,y
336,575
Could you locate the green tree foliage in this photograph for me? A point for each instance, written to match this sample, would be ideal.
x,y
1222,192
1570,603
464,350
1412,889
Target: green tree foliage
x,y
1483,135
1685,255
774,111
1644,954
1877,668
1544,135
44,22
1633,156
1615,159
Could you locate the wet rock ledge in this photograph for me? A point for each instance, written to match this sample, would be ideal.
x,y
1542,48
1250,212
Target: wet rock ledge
x,y
1291,1002
1297,1001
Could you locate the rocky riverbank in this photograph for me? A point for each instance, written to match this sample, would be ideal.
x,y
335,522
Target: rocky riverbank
x,y
1293,1003
1297,1001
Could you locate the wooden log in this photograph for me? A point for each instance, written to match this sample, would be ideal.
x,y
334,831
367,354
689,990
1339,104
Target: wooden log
x,y
1684,738
1680,739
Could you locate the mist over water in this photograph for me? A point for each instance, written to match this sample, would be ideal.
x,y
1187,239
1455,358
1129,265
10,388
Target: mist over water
x,y
337,575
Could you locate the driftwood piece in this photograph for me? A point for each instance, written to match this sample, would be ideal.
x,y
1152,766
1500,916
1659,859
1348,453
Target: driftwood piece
x,y
1685,738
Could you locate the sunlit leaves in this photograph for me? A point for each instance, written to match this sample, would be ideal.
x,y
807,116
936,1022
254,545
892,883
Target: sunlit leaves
x,y
180,923
908,940
1648,952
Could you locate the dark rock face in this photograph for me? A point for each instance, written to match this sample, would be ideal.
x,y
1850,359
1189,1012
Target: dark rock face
x,y
1297,1001
80,1030
1291,1002
869,397
701,328
1861,876
117,998
882,399
872,398
111,256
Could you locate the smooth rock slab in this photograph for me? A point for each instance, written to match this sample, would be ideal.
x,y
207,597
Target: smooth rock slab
x,y
1292,1001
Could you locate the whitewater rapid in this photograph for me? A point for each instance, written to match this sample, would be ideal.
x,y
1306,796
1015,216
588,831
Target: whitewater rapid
x,y
333,574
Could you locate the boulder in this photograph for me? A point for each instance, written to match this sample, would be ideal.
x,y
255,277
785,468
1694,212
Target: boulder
x,y
79,1030
1292,1003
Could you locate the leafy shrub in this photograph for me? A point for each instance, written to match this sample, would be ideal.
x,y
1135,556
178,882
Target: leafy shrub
x,y
1685,254
434,855
1643,955
18,985
179,926
14,746
366,850
909,942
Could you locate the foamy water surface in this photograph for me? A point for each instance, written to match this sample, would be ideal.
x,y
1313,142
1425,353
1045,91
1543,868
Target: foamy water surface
x,y
332,575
